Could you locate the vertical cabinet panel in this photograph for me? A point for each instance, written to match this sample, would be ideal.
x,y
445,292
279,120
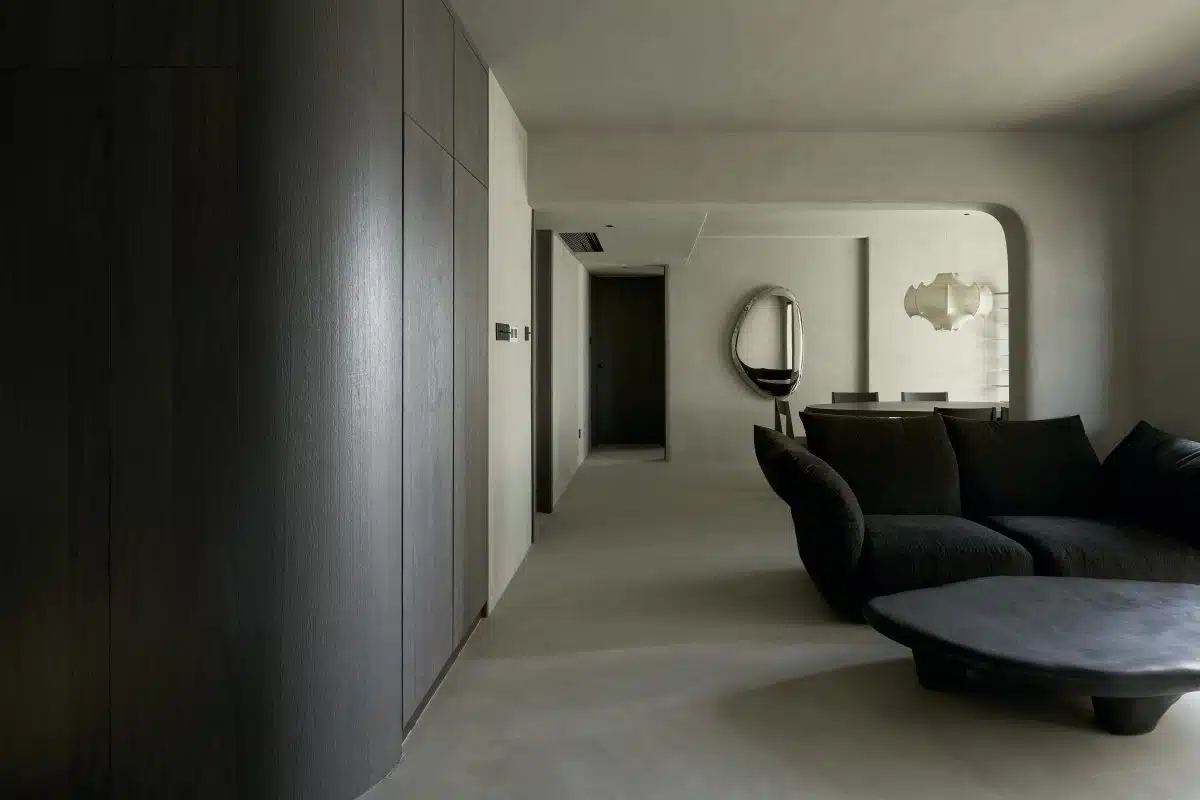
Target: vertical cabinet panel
x,y
428,413
53,422
470,398
470,109
429,68
88,423
175,396
175,33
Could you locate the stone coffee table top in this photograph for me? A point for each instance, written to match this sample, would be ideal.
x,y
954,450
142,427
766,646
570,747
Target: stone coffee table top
x,y
1120,641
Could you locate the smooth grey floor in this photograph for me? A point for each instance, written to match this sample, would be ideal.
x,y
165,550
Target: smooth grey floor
x,y
662,641
611,455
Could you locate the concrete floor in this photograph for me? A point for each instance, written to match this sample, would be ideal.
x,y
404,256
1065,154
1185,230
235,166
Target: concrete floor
x,y
662,641
612,455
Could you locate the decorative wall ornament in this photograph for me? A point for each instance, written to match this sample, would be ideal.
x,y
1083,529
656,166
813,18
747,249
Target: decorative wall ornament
x,y
947,302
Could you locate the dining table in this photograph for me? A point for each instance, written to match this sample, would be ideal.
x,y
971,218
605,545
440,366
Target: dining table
x,y
900,408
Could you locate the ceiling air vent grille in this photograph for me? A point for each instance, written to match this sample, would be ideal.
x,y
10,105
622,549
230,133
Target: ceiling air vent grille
x,y
582,242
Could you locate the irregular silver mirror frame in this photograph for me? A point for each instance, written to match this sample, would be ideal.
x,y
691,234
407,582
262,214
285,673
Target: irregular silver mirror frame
x,y
797,336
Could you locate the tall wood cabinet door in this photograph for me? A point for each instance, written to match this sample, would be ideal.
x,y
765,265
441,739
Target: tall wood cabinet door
x,y
470,398
175,33
175,440
429,68
470,109
428,413
54,426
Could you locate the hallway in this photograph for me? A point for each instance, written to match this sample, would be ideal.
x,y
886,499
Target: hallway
x,y
661,641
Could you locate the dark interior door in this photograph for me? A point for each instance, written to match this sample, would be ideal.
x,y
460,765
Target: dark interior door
x,y
628,336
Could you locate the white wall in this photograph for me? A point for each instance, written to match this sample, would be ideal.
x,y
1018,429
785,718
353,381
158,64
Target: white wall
x,y
1166,280
510,432
906,354
903,248
849,271
1063,200
569,360
710,410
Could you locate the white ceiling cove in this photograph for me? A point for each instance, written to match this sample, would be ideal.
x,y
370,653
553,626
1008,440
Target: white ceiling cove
x,y
641,241
646,238
872,65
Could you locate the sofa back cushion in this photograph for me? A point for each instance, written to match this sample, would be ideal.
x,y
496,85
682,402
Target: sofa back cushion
x,y
801,478
1152,479
829,521
1044,467
895,465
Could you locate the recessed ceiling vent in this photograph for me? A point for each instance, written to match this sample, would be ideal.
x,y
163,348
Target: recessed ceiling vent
x,y
582,242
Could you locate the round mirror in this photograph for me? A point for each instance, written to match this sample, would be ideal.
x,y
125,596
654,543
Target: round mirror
x,y
768,342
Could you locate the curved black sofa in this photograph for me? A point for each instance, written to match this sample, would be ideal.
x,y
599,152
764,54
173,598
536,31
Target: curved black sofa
x,y
886,505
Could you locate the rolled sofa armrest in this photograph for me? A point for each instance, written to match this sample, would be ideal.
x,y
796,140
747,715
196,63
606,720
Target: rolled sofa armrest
x,y
825,513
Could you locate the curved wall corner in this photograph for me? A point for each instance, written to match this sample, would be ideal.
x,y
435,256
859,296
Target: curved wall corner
x,y
1017,239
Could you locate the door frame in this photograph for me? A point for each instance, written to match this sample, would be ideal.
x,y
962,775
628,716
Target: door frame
x,y
666,362
543,354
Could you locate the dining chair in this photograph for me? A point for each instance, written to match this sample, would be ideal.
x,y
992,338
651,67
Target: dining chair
x,y
935,397
783,414
856,397
987,414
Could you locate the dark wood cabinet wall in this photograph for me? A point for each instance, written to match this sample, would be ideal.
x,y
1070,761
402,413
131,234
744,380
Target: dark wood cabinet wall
x,y
429,69
470,109
445,344
470,399
54,422
245,325
428,413
173,280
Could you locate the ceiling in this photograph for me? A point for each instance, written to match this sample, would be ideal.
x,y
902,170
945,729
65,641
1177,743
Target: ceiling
x,y
878,65
642,240
646,239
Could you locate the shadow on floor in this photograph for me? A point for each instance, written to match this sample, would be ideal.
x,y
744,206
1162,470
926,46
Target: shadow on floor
x,y
880,708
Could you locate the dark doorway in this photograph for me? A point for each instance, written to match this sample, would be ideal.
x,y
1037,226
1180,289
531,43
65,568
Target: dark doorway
x,y
628,351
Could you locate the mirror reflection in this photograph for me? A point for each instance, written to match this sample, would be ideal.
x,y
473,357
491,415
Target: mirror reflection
x,y
768,342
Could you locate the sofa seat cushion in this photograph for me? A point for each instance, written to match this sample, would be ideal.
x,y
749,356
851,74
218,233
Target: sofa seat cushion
x,y
1152,479
1037,467
902,552
894,465
1090,548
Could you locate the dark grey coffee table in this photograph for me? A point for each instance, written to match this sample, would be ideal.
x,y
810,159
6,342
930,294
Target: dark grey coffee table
x,y
1133,647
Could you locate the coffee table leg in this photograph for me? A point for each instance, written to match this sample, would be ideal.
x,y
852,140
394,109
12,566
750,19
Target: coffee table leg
x,y
938,674
1130,716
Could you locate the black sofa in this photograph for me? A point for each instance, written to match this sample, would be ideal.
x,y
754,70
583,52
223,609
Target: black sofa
x,y
884,505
